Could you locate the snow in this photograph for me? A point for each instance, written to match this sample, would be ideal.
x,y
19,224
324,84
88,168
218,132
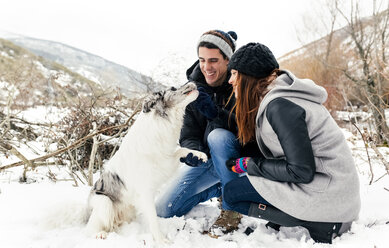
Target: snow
x,y
44,114
43,213
4,54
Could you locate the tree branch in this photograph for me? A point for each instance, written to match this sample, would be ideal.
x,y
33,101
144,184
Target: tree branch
x,y
72,146
367,152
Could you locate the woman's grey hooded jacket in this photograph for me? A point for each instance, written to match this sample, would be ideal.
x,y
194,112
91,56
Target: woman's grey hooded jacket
x,y
308,170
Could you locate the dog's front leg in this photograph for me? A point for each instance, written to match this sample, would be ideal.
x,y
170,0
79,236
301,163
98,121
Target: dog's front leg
x,y
146,202
182,152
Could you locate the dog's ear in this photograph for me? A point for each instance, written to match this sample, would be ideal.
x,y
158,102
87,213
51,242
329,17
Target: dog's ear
x,y
156,102
150,101
160,107
148,104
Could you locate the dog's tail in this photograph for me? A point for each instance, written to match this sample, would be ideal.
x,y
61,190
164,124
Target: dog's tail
x,y
65,214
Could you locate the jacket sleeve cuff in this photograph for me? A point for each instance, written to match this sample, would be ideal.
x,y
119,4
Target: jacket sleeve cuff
x,y
253,166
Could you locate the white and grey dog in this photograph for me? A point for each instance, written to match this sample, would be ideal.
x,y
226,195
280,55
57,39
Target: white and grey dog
x,y
148,157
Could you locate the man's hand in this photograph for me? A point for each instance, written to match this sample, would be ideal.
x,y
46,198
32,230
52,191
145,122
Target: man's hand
x,y
205,105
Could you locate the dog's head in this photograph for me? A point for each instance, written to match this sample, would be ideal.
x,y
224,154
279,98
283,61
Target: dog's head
x,y
163,101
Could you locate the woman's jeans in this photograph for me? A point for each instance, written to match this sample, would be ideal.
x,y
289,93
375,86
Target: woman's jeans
x,y
194,185
239,194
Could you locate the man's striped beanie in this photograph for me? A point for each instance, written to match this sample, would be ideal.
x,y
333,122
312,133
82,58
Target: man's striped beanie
x,y
226,42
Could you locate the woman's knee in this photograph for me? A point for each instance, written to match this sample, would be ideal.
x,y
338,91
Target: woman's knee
x,y
231,201
229,192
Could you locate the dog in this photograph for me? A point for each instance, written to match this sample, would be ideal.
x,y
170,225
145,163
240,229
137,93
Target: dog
x,y
148,156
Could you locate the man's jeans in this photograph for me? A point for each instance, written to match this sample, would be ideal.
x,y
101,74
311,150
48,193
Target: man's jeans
x,y
199,184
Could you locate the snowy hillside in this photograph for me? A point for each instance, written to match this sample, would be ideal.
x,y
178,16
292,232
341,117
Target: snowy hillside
x,y
95,68
27,79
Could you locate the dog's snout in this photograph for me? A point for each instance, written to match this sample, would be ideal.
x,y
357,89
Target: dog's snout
x,y
192,86
188,88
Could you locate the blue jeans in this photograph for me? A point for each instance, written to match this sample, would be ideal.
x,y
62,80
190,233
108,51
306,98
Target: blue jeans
x,y
238,195
199,184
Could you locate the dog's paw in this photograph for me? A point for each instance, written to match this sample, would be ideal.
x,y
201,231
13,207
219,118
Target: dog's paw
x,y
200,155
166,241
101,235
162,241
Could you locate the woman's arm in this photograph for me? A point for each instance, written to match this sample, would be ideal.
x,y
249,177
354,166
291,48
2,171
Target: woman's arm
x,y
288,122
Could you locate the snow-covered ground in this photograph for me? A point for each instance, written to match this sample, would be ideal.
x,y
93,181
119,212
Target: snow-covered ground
x,y
48,214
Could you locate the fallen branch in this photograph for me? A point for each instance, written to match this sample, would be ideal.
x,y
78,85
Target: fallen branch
x,y
381,177
72,146
16,153
367,152
92,156
77,164
382,158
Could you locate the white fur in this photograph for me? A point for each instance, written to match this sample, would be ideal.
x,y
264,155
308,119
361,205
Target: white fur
x,y
148,157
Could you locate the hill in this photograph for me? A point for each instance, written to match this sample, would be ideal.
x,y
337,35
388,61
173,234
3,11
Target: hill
x,y
27,79
108,74
346,59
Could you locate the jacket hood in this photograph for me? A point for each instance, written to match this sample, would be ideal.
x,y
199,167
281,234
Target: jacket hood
x,y
289,86
194,73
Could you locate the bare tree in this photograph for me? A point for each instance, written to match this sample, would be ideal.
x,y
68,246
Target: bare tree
x,y
370,37
353,59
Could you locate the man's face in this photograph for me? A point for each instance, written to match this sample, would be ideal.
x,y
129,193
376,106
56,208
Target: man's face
x,y
213,66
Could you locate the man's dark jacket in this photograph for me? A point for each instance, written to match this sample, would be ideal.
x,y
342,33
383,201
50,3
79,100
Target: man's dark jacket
x,y
196,127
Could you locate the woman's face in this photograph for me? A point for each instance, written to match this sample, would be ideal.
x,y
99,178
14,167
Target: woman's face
x,y
233,81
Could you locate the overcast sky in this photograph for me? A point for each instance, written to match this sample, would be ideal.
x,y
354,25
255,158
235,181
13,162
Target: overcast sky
x,y
139,34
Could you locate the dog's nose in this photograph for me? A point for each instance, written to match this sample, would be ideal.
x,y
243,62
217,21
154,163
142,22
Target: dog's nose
x,y
192,85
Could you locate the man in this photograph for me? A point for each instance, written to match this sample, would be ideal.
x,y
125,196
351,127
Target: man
x,y
208,127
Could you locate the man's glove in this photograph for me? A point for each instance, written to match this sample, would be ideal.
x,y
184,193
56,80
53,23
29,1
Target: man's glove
x,y
205,105
191,160
238,165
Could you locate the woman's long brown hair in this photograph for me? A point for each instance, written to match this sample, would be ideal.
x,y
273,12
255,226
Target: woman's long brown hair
x,y
251,91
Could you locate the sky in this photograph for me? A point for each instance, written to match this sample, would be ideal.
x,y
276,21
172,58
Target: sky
x,y
141,34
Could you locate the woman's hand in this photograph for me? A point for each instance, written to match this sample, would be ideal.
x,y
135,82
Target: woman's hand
x,y
237,165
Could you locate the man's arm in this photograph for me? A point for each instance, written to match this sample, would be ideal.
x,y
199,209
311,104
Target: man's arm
x,y
192,132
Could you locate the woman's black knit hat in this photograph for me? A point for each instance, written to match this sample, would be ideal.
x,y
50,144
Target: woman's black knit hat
x,y
253,59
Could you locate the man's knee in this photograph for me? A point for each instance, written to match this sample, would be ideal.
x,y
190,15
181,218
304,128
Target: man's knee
x,y
219,137
165,210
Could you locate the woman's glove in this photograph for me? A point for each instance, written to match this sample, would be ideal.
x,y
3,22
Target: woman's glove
x,y
205,105
191,160
238,165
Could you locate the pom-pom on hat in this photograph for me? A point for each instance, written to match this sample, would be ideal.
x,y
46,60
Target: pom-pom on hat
x,y
226,42
253,59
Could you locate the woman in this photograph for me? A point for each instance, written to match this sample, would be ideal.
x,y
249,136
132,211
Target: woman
x,y
307,176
